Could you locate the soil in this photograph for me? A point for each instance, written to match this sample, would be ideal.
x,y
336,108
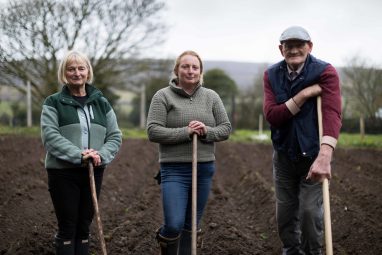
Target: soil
x,y
239,218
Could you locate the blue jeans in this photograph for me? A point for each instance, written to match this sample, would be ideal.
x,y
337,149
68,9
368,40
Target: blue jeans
x,y
299,210
176,188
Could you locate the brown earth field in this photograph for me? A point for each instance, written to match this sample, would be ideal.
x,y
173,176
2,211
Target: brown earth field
x,y
239,218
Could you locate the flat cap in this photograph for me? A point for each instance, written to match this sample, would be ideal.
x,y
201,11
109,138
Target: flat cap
x,y
295,33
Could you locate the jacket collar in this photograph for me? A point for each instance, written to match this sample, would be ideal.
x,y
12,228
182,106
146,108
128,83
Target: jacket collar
x,y
91,91
174,87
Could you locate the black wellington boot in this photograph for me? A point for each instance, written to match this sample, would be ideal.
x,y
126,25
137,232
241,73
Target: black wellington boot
x,y
64,247
185,243
168,246
186,239
82,247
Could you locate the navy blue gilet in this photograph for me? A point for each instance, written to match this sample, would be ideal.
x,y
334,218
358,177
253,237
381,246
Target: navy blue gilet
x,y
299,135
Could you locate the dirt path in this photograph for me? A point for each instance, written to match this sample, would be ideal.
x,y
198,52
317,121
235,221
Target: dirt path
x,y
240,214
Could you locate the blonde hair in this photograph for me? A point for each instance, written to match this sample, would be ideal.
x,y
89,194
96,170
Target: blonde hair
x,y
177,63
71,57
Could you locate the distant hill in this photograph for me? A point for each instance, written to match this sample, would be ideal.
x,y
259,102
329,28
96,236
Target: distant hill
x,y
243,73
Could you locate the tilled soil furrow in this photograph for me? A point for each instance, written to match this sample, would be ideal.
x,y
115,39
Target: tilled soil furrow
x,y
239,217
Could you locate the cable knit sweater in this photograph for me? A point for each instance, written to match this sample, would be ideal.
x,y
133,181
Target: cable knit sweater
x,y
170,112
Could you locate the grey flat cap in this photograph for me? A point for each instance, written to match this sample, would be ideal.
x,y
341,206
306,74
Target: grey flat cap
x,y
295,33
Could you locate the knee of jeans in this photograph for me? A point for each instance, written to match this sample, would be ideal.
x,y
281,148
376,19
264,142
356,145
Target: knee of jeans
x,y
83,230
311,212
82,235
66,233
173,229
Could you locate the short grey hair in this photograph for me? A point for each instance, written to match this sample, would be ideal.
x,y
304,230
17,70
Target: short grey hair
x,y
70,57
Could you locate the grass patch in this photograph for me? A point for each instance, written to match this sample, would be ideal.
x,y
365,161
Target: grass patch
x,y
26,131
345,141
247,136
241,135
35,131
134,133
355,140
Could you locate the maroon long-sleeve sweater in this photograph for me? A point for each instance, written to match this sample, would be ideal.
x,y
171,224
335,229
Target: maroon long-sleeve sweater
x,y
277,114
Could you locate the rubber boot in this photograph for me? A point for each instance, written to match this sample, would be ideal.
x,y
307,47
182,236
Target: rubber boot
x,y
64,247
168,246
186,240
82,247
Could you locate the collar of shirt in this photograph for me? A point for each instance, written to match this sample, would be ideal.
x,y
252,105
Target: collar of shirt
x,y
298,71
294,74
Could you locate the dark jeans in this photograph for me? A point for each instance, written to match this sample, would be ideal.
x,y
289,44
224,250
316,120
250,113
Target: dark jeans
x,y
176,190
72,201
299,208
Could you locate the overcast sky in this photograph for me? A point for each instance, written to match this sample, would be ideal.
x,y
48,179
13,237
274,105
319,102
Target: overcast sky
x,y
248,30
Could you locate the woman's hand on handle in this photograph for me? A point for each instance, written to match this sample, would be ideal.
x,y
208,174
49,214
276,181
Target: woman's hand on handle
x,y
197,127
92,154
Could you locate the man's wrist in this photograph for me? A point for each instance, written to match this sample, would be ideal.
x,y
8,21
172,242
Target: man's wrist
x,y
326,151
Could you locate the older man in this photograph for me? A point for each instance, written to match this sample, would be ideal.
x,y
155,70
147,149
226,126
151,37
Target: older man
x,y
300,161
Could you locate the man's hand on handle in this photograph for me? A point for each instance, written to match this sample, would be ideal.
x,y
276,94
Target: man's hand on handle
x,y
306,93
321,167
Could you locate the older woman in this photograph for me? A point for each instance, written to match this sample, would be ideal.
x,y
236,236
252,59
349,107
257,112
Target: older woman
x,y
176,113
77,124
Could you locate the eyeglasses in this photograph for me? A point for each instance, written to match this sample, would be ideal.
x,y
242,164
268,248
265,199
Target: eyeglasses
x,y
289,45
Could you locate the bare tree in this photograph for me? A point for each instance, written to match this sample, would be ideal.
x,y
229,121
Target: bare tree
x,y
362,88
36,33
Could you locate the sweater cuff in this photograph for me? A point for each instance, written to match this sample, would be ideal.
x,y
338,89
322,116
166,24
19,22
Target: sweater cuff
x,y
185,132
292,106
331,141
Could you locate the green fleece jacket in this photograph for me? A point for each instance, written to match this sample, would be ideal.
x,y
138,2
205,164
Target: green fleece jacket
x,y
67,128
171,111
